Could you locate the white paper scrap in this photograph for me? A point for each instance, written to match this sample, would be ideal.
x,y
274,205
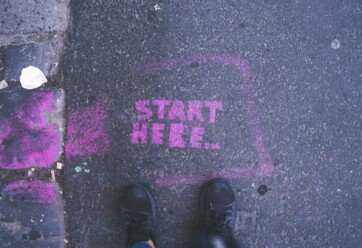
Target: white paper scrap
x,y
32,77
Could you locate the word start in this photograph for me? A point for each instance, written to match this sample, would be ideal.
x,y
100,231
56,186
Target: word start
x,y
175,123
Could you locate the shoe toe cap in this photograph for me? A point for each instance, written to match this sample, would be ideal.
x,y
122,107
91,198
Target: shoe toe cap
x,y
137,199
220,194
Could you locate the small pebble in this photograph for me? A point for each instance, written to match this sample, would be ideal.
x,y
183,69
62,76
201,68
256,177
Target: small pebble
x,y
3,84
335,44
59,165
52,173
263,189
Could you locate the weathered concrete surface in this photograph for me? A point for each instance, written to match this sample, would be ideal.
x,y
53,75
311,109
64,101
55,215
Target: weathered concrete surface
x,y
34,20
2,63
31,215
32,128
31,124
44,56
289,129
31,142
33,33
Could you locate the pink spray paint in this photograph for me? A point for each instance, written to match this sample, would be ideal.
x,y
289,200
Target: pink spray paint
x,y
213,107
196,137
177,111
139,133
170,113
157,133
265,165
144,107
87,131
176,139
161,104
35,191
29,138
195,112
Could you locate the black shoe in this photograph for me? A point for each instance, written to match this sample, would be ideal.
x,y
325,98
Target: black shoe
x,y
218,208
140,211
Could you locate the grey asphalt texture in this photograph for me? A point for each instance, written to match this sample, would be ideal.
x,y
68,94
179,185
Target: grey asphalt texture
x,y
300,111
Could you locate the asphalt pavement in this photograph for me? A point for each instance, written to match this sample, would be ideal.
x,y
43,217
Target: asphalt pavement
x,y
172,93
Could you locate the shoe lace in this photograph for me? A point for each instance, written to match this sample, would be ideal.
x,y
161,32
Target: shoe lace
x,y
219,222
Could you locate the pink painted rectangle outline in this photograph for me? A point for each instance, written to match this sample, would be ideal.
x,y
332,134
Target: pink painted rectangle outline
x,y
265,167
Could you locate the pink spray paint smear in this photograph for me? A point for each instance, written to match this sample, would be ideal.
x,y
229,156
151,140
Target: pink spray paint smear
x,y
28,138
35,191
87,131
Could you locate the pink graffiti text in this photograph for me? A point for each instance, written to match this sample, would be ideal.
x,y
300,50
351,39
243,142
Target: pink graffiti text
x,y
176,113
178,110
248,89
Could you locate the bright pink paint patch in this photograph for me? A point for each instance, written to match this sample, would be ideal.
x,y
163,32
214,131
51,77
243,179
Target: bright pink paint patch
x,y
176,139
139,133
161,104
28,138
196,137
177,111
215,146
157,133
87,131
213,107
195,111
35,191
144,108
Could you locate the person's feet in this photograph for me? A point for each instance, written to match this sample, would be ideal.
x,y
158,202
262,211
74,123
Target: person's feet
x,y
218,208
140,209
